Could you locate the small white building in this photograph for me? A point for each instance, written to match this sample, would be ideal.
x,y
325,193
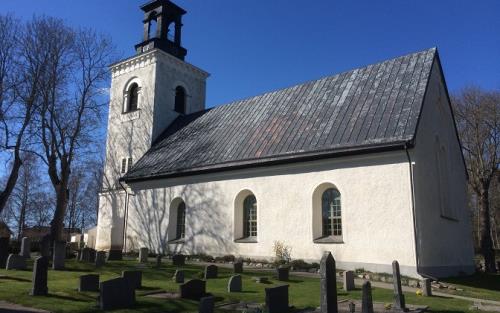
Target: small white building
x,y
366,164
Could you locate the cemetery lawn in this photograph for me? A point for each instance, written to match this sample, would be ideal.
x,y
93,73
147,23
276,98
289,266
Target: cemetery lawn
x,y
480,285
304,291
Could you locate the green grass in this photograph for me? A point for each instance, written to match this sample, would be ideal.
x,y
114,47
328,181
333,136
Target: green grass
x,y
480,285
63,297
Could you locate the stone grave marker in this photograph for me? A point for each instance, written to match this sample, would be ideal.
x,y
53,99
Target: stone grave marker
x,y
45,246
40,269
235,284
88,255
15,262
178,260
178,276
59,255
283,272
100,258
193,289
366,298
115,255
238,267
399,298
277,299
349,281
143,255
89,282
4,251
206,305
134,278
328,283
426,287
25,248
116,294
158,260
211,271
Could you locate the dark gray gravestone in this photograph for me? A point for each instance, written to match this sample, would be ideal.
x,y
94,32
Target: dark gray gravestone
x,y
15,262
328,302
25,248
115,255
40,268
134,278
158,260
116,294
211,271
349,280
100,258
89,282
234,284
206,305
59,255
277,299
45,246
283,272
238,267
179,276
143,255
426,287
366,300
178,260
4,251
88,255
193,289
399,298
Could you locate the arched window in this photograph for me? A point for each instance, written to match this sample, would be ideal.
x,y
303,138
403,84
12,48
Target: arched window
x,y
181,221
250,216
133,97
331,212
180,100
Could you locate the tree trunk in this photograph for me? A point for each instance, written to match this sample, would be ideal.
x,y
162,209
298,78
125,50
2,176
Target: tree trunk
x,y
11,181
57,223
486,243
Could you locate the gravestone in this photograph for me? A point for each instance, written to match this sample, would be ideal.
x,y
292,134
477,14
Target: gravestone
x,y
366,298
178,276
79,255
89,282
134,278
234,284
178,260
45,246
40,268
158,260
426,287
193,289
15,262
211,271
349,280
143,255
116,294
88,255
100,258
328,282
283,272
4,251
238,267
399,298
277,299
25,248
206,305
59,255
115,255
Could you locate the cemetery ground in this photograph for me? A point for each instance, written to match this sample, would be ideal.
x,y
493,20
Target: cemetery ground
x,y
304,292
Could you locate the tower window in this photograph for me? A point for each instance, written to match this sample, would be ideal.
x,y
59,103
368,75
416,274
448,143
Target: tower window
x,y
124,165
180,100
133,97
129,165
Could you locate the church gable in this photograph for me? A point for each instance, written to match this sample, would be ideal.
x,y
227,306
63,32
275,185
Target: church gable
x,y
363,110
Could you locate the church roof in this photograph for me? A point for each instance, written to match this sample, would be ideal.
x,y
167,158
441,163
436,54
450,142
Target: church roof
x,y
374,108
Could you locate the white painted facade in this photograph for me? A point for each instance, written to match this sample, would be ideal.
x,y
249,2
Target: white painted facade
x,y
390,210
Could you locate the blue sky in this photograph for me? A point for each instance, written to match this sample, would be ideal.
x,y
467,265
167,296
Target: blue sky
x,y
254,46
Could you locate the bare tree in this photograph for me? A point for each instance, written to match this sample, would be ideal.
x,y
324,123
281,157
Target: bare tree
x,y
478,121
70,112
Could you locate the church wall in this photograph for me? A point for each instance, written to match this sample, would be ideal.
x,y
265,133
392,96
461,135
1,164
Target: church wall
x,y
443,220
376,211
110,220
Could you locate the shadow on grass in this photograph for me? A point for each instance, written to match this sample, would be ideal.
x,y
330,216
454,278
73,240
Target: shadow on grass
x,y
52,295
478,280
15,279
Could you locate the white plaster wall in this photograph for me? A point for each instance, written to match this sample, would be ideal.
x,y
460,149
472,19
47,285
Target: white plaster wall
x,y
376,204
110,220
445,245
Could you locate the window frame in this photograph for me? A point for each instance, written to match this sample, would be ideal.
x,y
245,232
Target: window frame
x,y
180,225
178,90
334,216
250,217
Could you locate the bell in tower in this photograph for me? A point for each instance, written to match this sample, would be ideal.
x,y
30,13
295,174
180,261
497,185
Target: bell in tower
x,y
162,28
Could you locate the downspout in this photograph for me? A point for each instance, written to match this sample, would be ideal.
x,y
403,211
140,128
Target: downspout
x,y
125,217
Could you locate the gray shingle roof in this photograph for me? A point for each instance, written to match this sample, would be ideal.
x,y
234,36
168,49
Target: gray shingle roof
x,y
374,106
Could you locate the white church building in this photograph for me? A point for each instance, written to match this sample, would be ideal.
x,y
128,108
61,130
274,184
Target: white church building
x,y
366,164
